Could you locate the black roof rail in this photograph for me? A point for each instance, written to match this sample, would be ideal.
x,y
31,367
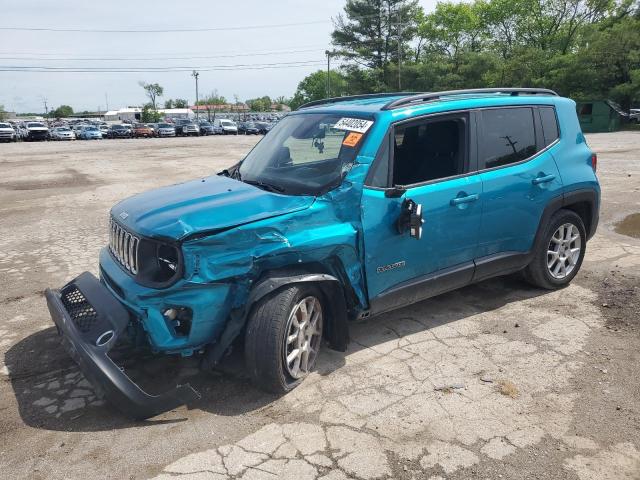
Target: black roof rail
x,y
328,101
425,97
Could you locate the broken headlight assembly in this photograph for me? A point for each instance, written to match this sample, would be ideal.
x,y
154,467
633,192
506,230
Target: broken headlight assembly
x,y
153,263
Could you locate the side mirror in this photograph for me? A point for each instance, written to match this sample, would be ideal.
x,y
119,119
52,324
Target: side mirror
x,y
411,219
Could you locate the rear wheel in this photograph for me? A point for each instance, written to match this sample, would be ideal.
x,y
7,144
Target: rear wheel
x,y
283,338
559,255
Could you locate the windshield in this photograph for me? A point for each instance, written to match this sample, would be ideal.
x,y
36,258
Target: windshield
x,y
63,129
118,127
303,155
226,123
34,124
5,125
165,125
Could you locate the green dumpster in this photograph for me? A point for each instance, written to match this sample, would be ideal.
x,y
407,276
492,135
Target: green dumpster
x,y
599,116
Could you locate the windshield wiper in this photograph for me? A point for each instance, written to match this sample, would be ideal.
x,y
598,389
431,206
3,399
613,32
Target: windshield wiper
x,y
265,186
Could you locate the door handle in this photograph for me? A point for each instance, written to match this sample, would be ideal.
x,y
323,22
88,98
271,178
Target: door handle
x,y
466,199
543,179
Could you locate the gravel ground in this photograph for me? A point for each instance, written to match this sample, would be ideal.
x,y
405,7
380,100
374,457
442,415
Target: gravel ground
x,y
497,380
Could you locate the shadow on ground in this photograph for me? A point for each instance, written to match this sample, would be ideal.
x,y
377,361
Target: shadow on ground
x,y
52,394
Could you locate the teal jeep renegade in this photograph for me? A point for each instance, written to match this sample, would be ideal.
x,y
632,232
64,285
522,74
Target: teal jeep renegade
x,y
348,208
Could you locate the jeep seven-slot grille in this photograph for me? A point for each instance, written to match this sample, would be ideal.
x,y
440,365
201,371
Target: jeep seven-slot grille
x,y
124,246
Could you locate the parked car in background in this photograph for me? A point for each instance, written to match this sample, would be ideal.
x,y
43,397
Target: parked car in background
x,y
154,127
104,128
142,130
634,115
166,130
90,132
206,128
187,128
7,133
77,128
264,127
119,131
217,129
62,133
36,131
228,127
248,128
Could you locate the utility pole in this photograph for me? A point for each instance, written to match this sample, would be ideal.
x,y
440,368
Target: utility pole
x,y
328,54
195,74
399,50
46,109
106,101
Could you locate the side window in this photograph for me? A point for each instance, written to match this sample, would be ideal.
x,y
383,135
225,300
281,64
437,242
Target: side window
x,y
379,174
508,136
430,150
549,125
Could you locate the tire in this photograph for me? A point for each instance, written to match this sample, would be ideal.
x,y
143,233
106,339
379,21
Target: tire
x,y
548,270
271,322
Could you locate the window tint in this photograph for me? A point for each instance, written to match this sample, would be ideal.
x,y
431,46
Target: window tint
x,y
508,136
549,125
429,150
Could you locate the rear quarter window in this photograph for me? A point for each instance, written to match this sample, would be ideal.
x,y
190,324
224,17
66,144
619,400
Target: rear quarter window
x,y
549,125
508,136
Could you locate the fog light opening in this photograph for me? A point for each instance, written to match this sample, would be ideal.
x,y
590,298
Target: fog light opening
x,y
180,319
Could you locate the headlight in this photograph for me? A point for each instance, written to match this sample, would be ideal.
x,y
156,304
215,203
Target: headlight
x,y
153,263
160,263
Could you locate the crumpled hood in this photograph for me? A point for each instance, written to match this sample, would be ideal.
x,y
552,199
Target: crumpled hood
x,y
200,206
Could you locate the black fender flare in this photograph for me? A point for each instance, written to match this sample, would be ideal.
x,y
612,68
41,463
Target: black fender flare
x,y
566,200
336,330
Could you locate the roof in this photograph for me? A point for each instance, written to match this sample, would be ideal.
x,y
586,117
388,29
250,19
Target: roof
x,y
397,100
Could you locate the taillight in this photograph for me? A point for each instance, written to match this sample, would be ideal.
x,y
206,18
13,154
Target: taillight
x,y
594,161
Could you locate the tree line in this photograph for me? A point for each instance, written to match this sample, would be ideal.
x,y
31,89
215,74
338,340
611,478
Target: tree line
x,y
583,49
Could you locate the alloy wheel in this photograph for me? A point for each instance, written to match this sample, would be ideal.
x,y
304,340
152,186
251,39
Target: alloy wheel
x,y
564,251
303,337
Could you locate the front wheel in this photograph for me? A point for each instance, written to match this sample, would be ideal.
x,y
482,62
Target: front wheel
x,y
558,256
283,337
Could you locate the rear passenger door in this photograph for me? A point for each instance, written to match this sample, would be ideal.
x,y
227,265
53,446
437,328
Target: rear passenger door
x,y
519,177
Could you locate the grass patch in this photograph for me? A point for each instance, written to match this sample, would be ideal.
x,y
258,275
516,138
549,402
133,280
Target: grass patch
x,y
507,388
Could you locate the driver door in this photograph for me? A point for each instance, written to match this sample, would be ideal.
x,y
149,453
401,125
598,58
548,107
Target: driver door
x,y
429,161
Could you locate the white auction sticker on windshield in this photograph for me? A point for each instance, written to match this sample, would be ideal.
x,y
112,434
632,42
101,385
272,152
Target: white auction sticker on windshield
x,y
353,125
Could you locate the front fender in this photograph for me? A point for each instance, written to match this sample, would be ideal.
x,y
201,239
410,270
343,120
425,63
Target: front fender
x,y
336,330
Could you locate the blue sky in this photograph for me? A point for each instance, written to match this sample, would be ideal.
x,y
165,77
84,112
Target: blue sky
x,y
26,91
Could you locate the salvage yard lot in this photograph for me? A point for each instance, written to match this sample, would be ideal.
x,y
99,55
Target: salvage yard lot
x,y
495,379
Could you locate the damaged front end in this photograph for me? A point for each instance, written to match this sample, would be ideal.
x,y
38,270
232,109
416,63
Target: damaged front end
x,y
90,320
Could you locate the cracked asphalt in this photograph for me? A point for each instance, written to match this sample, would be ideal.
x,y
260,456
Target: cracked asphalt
x,y
497,380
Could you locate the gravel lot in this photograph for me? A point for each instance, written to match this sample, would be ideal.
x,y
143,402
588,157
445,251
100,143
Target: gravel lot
x,y
497,380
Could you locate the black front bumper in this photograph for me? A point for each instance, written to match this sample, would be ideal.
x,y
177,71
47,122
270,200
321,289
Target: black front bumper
x,y
90,319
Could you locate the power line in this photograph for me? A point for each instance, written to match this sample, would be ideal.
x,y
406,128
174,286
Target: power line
x,y
14,68
196,57
169,30
182,30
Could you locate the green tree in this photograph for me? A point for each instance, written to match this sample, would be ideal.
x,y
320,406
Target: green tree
x,y
314,87
62,111
153,91
3,113
168,103
180,103
214,98
262,104
150,114
371,33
